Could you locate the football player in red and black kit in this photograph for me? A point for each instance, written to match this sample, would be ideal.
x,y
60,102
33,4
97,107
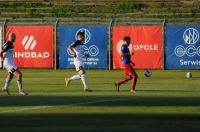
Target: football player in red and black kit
x,y
128,65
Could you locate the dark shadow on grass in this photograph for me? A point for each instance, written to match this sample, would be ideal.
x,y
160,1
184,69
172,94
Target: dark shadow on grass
x,y
100,100
99,122
167,90
196,77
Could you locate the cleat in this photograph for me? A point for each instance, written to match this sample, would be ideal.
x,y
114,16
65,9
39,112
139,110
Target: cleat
x,y
117,87
6,90
87,90
67,81
22,93
133,92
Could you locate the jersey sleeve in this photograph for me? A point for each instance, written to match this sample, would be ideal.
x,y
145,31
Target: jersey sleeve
x,y
75,44
6,47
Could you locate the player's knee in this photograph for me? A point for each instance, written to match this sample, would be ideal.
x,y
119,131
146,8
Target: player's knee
x,y
81,70
19,75
129,77
136,75
10,75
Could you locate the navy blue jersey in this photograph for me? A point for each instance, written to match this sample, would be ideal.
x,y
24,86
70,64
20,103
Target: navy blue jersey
x,y
126,59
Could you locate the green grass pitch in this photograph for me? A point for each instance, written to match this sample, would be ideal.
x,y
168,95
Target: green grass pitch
x,y
165,102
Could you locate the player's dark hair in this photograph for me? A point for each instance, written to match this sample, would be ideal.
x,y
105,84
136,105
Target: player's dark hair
x,y
126,38
80,33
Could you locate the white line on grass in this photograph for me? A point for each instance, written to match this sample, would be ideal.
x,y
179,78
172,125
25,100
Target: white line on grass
x,y
101,101
24,109
78,103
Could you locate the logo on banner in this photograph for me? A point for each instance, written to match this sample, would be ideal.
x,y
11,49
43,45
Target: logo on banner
x,y
87,34
190,37
119,45
92,50
29,43
136,47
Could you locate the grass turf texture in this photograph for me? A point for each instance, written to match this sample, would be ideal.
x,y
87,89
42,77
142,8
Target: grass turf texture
x,y
167,101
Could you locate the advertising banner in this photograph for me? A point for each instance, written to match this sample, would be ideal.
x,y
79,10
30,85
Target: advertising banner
x,y
95,45
33,46
0,45
182,47
146,43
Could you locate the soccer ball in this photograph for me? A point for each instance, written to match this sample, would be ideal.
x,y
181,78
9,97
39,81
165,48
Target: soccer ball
x,y
188,75
147,73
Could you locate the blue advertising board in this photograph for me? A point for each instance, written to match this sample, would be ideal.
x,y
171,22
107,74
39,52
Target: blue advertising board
x,y
95,45
182,47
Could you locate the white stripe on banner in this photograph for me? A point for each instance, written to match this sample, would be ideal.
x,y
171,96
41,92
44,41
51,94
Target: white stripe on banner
x,y
24,40
28,44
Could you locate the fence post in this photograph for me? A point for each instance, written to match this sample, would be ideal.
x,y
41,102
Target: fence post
x,y
110,42
163,44
55,44
3,32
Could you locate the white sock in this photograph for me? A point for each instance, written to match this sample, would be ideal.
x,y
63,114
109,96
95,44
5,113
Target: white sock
x,y
19,83
84,80
7,83
75,77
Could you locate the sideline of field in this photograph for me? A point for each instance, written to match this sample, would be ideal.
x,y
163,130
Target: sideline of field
x,y
78,103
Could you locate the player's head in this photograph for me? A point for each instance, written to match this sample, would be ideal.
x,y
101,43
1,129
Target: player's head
x,y
81,36
127,40
12,37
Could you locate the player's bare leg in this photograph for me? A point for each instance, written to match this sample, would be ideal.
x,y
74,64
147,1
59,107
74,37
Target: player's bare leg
x,y
7,83
125,79
68,80
134,82
18,74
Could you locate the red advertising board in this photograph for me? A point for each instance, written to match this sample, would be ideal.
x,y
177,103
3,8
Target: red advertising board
x,y
33,46
146,43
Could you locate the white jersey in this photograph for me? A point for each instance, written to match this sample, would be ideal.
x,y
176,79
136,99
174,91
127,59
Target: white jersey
x,y
78,48
8,52
8,55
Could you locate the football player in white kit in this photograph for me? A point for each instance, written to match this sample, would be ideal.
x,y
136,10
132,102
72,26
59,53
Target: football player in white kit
x,y
7,55
77,49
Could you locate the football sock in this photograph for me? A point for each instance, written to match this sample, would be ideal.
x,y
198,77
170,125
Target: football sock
x,y
7,83
19,83
75,77
84,80
134,81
